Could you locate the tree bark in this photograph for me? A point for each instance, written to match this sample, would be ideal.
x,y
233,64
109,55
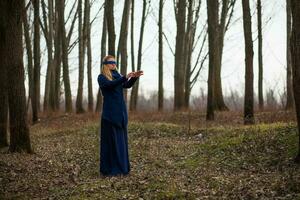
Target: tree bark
x,y
135,88
103,53
81,50
248,104
212,17
260,57
29,53
109,12
179,76
37,65
122,47
295,54
3,78
289,81
89,56
64,43
160,57
219,103
50,69
13,48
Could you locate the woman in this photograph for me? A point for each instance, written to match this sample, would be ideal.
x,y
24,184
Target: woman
x,y
114,159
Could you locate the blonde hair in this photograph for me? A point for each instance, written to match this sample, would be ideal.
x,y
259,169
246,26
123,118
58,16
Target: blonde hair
x,y
105,69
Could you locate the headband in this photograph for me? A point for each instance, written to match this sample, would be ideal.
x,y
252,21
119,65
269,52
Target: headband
x,y
109,62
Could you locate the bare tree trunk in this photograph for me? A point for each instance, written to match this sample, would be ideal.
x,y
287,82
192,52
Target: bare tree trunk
x,y
81,50
289,81
29,53
57,56
37,66
89,56
160,57
179,76
248,104
122,47
222,23
103,52
109,12
295,53
132,36
13,48
212,16
64,43
260,57
135,88
188,50
50,68
3,78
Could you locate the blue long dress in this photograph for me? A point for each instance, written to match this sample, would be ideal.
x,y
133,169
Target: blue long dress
x,y
114,157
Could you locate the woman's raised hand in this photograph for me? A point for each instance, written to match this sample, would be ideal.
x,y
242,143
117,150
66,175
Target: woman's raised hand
x,y
138,73
131,74
135,74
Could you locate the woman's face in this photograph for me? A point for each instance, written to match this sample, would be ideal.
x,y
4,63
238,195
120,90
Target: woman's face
x,y
111,66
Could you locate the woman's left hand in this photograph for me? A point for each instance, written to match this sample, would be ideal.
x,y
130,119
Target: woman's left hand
x,y
138,74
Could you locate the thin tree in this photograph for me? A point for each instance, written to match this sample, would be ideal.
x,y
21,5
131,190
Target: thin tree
x,y
48,33
65,43
89,55
81,50
28,51
135,88
289,81
223,23
103,52
132,36
260,57
179,76
160,57
213,29
11,36
109,12
3,79
122,47
295,54
37,66
248,104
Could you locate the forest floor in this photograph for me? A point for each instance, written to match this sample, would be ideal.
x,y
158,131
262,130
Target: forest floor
x,y
210,160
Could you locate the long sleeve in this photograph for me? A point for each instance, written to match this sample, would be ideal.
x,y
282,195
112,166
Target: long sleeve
x,y
105,83
129,83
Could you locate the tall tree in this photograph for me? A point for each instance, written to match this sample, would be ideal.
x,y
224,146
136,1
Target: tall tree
x,y
160,57
260,57
295,54
81,50
132,36
65,43
103,52
109,12
248,104
192,19
3,79
28,51
289,81
179,76
57,54
12,48
135,88
50,76
37,66
223,23
122,47
213,29
89,55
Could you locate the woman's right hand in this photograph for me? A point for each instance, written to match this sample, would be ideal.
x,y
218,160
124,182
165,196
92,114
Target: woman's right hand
x,y
131,74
